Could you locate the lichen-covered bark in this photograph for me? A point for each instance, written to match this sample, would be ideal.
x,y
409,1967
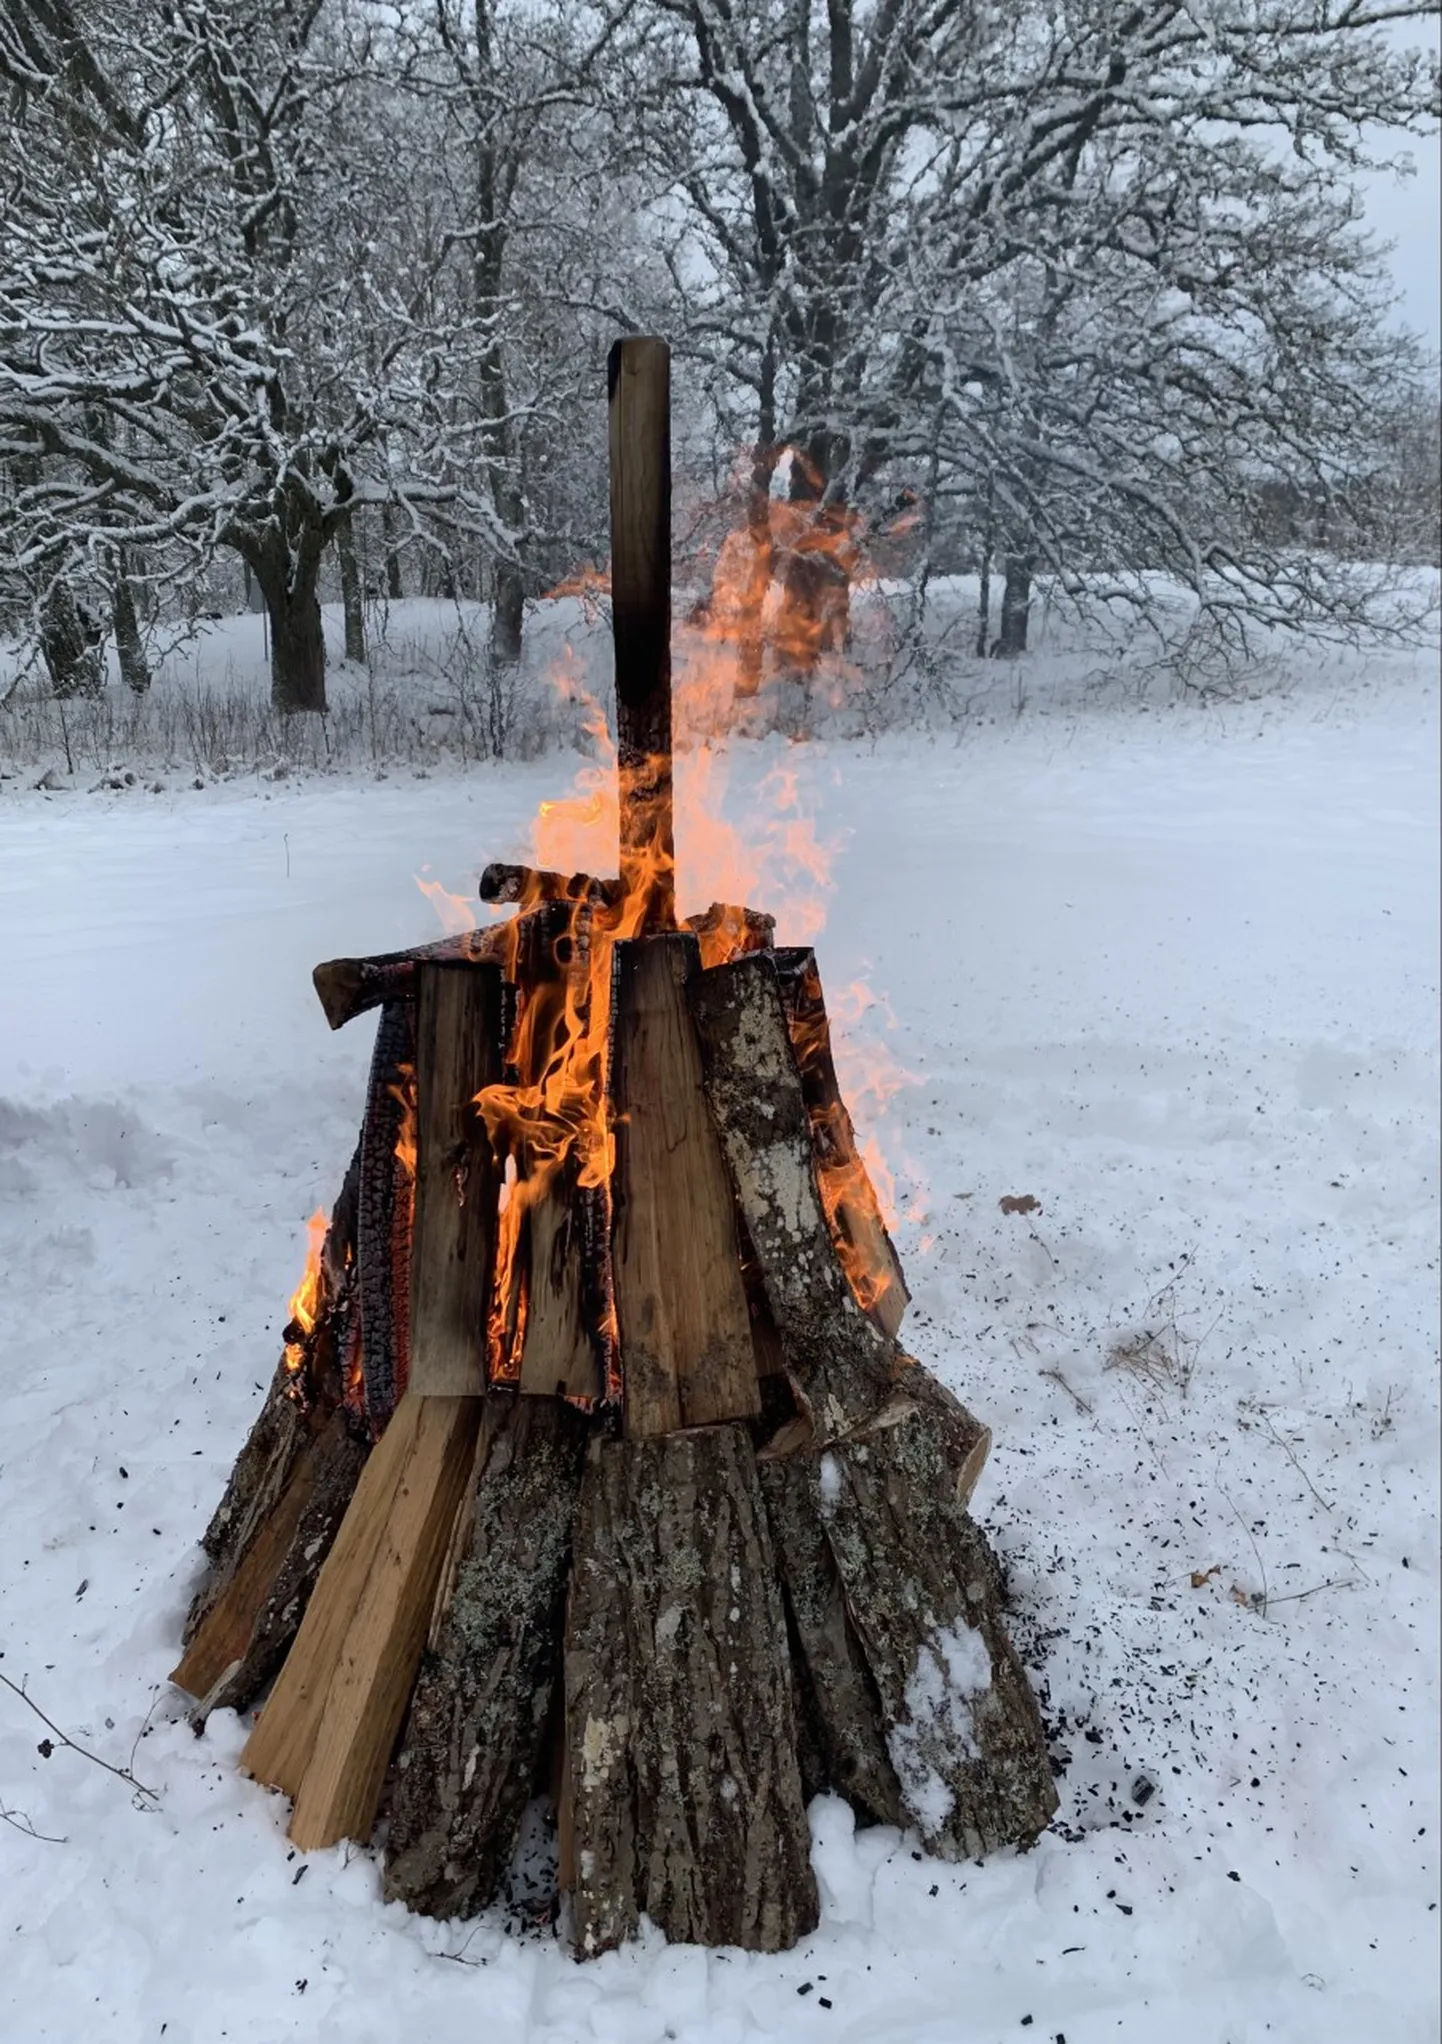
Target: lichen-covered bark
x,y
841,1362
924,1594
842,1710
964,1441
478,1718
680,1720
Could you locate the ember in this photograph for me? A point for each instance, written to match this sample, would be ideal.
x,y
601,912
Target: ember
x,y
593,1459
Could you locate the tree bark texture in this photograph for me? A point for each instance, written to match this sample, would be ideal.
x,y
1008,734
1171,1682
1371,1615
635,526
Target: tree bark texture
x,y
478,1721
351,595
836,1693
285,559
254,1610
962,1727
838,1360
508,611
129,646
679,1714
70,644
395,581
1015,607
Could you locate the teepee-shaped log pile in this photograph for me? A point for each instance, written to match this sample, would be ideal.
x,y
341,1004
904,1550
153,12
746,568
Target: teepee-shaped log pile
x,y
593,1467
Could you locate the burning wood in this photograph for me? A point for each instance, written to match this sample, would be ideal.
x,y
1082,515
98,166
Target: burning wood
x,y
592,1447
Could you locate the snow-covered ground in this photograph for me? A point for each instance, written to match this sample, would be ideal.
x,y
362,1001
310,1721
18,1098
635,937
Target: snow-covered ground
x,y
1175,976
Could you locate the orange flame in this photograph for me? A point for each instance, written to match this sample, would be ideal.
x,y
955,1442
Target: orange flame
x,y
404,1091
305,1300
778,606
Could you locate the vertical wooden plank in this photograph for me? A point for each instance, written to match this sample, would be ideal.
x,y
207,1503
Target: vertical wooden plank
x,y
413,1503
639,381
458,1051
686,1348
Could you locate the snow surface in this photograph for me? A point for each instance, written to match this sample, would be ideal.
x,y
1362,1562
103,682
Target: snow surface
x,y
1173,975
952,1673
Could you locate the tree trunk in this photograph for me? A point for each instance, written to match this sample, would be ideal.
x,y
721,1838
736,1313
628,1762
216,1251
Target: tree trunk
x,y
1015,607
395,587
69,643
507,615
297,650
988,548
350,591
130,651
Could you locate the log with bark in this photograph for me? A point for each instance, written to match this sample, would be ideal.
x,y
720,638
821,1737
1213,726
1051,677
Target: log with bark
x,y
483,1701
686,1795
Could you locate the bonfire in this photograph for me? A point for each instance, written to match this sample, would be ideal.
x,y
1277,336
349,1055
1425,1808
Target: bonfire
x,y
593,1469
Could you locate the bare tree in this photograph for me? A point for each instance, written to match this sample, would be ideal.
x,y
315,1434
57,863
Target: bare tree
x,y
187,339
1104,251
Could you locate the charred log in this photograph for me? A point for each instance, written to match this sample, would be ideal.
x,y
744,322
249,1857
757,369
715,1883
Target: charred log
x,y
852,1207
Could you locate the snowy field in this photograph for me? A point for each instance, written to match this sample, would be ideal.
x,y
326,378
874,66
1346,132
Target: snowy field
x,y
1172,974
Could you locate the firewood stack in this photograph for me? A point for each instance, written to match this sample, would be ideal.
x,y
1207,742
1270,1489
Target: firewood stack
x,y
593,1467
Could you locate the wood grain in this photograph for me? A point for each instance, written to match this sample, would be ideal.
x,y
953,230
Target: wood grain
x,y
686,1347
458,1051
409,1512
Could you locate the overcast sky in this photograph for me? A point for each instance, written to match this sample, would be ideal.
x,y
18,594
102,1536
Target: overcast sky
x,y
1409,214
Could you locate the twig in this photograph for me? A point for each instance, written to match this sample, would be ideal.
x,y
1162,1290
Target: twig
x,y
120,1773
1286,1450
1261,1565
22,1824
1057,1378
144,1728
1337,1583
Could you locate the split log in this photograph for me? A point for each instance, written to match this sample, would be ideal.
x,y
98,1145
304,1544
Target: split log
x,y
924,1594
249,1624
964,1440
838,1704
290,1485
680,1728
261,1472
286,1420
482,1708
685,1331
561,1253
847,1193
839,1361
354,1660
561,1355
458,1051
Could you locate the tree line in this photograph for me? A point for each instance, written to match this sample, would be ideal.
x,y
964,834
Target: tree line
x,y
1074,291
